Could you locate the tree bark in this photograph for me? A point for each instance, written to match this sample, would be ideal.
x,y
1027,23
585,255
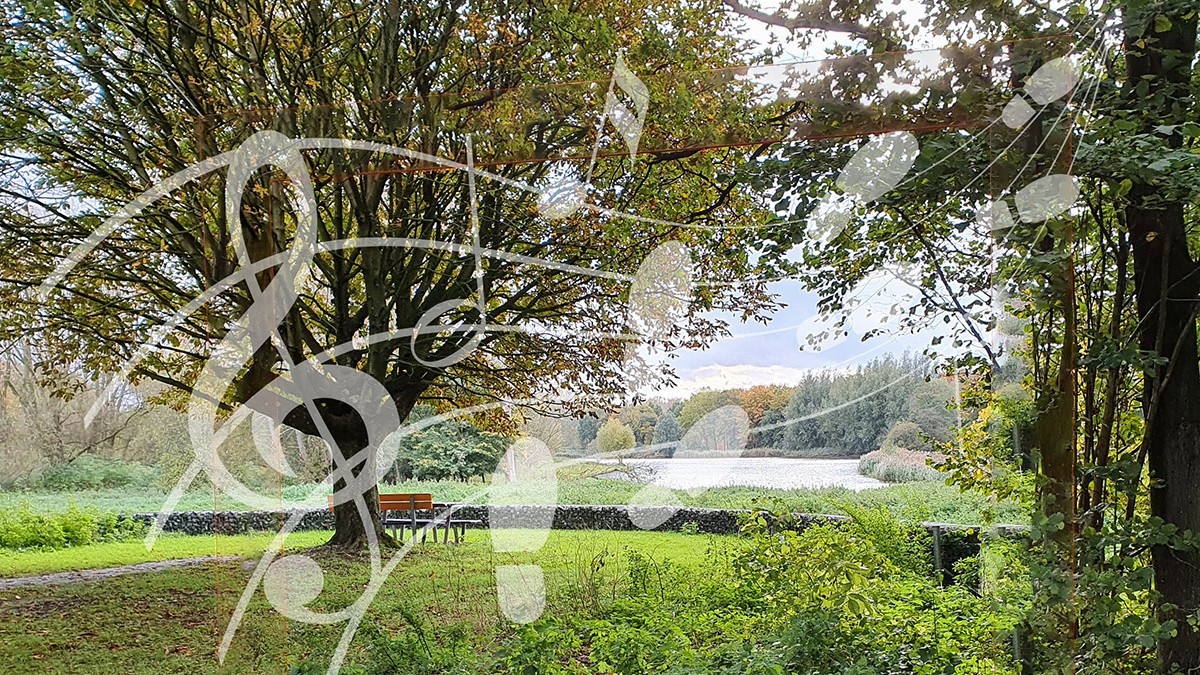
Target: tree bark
x,y
350,529
1166,289
1166,310
349,432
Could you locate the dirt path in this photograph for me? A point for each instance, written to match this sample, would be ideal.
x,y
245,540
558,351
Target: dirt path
x,y
109,572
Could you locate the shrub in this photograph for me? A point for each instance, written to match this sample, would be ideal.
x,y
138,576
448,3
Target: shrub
x,y
452,449
24,529
544,647
897,465
111,527
858,597
89,472
907,545
821,568
906,435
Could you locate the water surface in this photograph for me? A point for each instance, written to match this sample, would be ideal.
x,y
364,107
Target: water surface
x,y
768,472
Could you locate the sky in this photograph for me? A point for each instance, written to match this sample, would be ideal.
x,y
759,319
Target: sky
x,y
755,353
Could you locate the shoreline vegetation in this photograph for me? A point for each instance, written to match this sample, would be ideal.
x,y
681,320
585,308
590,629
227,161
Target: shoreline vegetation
x,y
898,465
754,453
931,500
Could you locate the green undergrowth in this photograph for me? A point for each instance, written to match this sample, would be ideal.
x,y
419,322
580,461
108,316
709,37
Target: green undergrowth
x,y
928,500
838,599
172,621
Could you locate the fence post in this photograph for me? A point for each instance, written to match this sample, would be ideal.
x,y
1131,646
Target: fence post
x,y
937,554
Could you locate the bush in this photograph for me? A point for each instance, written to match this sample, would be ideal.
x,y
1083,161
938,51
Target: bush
x,y
452,449
544,647
614,437
24,529
89,472
859,597
897,465
908,545
907,436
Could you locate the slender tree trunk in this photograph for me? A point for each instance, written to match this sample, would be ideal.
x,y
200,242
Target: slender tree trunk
x,y
1111,387
1171,405
1159,52
1054,433
1054,438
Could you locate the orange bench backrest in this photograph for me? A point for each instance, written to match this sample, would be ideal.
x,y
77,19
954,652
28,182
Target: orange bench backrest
x,y
401,502
404,502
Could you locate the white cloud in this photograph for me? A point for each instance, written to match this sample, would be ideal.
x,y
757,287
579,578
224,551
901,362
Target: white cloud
x,y
739,376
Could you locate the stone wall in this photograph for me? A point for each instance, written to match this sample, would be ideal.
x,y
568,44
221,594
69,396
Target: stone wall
x,y
238,522
565,517
950,542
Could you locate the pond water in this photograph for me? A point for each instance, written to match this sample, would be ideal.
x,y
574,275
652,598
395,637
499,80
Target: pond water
x,y
769,472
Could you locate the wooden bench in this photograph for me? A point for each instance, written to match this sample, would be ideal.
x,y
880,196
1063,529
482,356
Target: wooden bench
x,y
416,510
456,525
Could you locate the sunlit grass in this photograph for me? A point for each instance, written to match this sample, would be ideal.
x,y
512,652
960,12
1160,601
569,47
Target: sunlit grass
x,y
167,547
172,621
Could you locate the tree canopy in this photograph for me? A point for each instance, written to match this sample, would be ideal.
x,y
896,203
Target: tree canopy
x,y
104,101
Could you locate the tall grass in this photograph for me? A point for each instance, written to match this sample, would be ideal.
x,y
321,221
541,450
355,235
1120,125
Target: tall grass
x,y
897,465
928,500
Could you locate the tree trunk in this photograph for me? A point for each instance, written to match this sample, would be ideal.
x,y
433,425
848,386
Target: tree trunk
x,y
350,435
1166,310
1054,438
349,528
1160,61
1054,431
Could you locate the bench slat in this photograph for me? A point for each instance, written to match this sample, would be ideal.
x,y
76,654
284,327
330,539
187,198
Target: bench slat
x,y
399,511
401,502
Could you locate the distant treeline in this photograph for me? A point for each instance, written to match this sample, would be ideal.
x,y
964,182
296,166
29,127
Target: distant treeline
x,y
134,443
826,414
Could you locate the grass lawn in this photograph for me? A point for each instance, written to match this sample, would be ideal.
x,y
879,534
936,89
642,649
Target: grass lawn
x,y
927,500
172,621
168,547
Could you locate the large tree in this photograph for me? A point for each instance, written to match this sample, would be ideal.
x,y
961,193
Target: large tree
x,y
1162,99
1128,134
101,101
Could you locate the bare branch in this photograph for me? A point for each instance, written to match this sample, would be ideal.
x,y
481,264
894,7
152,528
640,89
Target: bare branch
x,y
812,17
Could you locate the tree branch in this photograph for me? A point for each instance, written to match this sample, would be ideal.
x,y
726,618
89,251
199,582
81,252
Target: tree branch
x,y
813,17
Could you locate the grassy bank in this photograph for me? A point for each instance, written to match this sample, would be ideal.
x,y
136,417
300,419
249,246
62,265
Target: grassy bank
x,y
897,465
172,621
829,600
167,547
928,500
